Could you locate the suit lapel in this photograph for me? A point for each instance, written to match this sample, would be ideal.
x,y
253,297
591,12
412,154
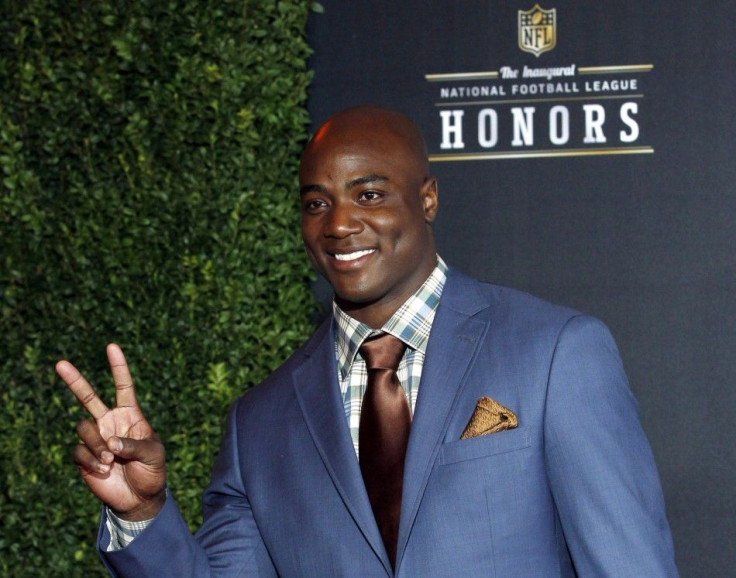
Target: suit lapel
x,y
452,346
318,393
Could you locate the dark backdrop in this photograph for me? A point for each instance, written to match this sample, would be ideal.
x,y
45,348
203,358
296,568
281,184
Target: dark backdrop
x,y
636,231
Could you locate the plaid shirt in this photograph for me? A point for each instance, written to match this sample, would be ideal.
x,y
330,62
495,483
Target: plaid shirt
x,y
411,323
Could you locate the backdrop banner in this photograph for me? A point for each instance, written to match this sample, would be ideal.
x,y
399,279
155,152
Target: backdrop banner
x,y
584,153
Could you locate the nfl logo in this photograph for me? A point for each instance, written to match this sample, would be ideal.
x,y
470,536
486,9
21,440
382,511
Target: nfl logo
x,y
537,30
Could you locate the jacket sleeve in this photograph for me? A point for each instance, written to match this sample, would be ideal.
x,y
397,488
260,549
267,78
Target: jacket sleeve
x,y
600,466
227,545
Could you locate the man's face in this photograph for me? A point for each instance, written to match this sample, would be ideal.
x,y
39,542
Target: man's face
x,y
367,205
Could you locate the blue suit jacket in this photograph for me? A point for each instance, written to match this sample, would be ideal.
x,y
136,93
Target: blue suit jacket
x,y
572,491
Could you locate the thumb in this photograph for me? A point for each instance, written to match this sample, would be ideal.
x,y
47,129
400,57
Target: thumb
x,y
149,452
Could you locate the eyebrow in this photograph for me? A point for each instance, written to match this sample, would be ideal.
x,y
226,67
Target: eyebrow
x,y
311,189
373,178
367,179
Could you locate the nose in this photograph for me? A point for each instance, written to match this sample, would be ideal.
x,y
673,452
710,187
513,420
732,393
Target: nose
x,y
342,221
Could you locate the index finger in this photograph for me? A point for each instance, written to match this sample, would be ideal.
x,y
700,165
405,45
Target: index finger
x,y
124,389
81,389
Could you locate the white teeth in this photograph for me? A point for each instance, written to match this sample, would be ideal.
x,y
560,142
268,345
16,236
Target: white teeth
x,y
353,256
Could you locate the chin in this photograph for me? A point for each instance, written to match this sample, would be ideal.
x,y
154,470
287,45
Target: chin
x,y
355,298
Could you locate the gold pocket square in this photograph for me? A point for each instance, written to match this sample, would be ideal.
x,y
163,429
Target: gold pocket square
x,y
489,417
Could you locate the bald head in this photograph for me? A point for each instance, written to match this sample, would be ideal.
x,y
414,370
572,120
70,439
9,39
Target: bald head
x,y
361,127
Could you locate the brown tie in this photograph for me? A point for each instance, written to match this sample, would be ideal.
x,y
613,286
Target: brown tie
x,y
385,420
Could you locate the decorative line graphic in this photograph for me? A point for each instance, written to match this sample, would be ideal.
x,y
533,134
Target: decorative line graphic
x,y
541,154
460,76
615,69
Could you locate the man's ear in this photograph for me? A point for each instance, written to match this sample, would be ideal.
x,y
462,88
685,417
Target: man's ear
x,y
430,199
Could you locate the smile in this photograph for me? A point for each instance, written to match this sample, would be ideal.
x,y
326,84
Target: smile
x,y
353,256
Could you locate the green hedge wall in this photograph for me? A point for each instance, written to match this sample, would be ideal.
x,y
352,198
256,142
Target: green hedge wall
x,y
148,157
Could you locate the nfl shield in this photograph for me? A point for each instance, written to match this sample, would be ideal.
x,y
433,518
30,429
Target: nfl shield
x,y
537,30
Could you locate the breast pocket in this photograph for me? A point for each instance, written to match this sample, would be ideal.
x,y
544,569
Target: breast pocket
x,y
485,446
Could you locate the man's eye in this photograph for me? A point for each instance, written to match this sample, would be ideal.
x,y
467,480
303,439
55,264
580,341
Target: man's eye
x,y
313,205
369,196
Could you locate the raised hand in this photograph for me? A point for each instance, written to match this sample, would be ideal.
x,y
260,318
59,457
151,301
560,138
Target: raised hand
x,y
120,458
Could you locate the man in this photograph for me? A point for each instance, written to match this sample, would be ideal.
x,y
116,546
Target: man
x,y
525,456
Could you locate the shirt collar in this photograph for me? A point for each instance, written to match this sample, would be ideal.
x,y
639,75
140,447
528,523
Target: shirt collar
x,y
411,322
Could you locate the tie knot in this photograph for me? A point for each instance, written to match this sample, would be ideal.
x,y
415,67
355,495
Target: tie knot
x,y
383,352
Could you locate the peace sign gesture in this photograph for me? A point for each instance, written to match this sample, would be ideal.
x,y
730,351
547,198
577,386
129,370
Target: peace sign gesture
x,y
121,458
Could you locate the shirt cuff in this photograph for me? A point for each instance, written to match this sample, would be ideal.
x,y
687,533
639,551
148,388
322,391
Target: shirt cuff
x,y
123,532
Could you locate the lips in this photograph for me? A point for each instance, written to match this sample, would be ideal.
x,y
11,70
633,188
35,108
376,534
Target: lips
x,y
353,256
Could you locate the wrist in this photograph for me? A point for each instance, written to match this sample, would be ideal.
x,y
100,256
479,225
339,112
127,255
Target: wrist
x,y
147,510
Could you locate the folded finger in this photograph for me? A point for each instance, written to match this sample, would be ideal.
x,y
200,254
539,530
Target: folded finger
x,y
86,460
81,389
90,436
